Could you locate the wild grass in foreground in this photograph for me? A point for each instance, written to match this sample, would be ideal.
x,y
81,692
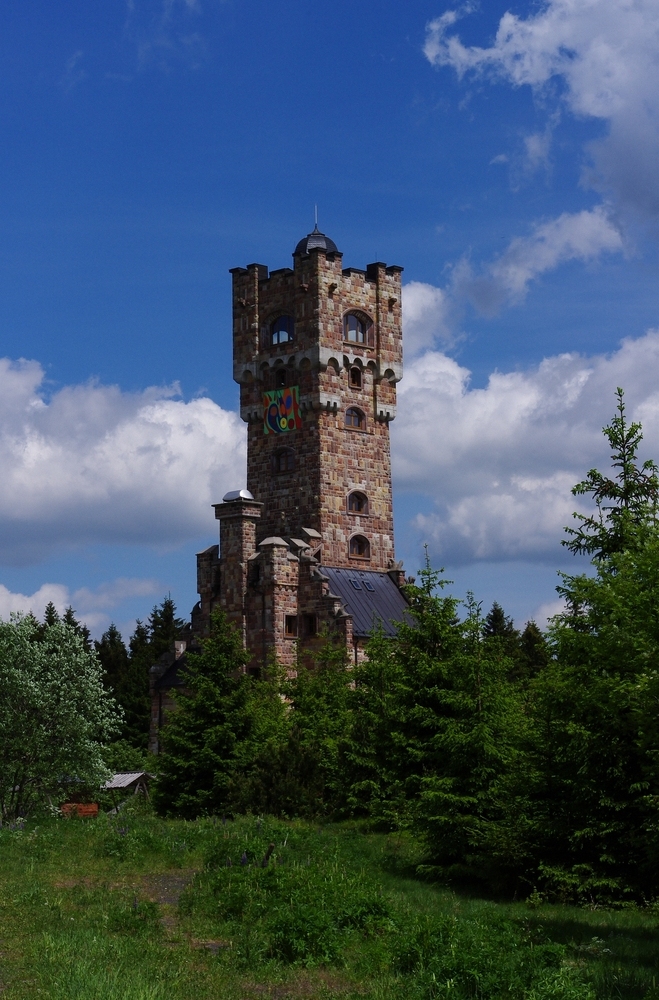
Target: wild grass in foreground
x,y
140,908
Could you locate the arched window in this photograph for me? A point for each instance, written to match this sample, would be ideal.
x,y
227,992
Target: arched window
x,y
355,418
357,328
283,460
355,377
281,331
281,378
360,547
358,503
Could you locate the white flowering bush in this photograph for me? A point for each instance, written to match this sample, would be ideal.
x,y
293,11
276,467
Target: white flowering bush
x,y
55,715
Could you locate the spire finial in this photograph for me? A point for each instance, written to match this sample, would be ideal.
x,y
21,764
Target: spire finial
x,y
315,218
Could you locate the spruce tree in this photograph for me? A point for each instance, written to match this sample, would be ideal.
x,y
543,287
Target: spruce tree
x,y
319,696
596,818
625,500
112,653
69,618
207,740
533,655
503,637
164,628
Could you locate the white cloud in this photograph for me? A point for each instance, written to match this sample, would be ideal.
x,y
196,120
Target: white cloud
x,y
501,460
55,592
92,463
546,611
605,56
91,606
426,317
580,236
536,149
431,315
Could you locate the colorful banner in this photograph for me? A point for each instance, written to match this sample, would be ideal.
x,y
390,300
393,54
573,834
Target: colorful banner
x,y
281,410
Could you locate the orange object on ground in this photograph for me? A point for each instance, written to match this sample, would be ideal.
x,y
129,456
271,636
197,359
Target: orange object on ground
x,y
80,809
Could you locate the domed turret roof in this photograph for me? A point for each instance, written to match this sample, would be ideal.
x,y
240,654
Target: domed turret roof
x,y
315,241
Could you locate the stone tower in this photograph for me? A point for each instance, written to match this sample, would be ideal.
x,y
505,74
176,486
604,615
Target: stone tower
x,y
317,354
306,552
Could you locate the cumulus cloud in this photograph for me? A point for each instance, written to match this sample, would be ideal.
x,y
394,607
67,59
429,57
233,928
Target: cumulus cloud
x,y
604,56
582,236
432,315
92,463
501,460
91,606
546,611
427,317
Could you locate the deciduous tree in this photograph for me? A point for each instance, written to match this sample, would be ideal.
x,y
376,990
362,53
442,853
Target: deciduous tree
x,y
55,714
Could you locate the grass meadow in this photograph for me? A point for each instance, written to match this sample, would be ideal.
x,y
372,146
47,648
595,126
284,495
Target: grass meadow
x,y
134,907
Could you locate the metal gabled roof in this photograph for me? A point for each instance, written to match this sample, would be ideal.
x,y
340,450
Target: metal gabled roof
x,y
126,778
373,599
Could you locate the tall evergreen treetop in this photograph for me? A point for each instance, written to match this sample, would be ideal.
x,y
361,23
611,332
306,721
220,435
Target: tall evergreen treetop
x,y
50,615
164,628
625,502
113,655
69,618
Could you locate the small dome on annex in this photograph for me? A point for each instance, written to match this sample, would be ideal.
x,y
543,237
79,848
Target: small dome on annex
x,y
315,241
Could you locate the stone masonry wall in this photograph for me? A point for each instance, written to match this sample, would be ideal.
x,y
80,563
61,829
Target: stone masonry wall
x,y
331,459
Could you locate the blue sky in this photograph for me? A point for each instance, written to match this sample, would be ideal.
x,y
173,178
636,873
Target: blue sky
x,y
506,156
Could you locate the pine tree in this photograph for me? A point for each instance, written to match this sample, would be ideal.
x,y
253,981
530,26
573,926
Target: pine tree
x,y
139,645
128,670
596,818
319,696
501,631
437,735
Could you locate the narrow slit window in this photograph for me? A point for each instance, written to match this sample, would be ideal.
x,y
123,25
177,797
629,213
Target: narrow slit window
x,y
310,625
290,626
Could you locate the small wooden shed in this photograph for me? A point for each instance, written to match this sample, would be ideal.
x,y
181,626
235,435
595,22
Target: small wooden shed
x,y
129,781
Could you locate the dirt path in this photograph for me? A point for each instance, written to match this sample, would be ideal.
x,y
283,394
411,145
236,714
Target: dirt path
x,y
165,890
